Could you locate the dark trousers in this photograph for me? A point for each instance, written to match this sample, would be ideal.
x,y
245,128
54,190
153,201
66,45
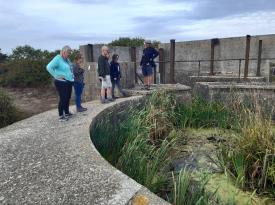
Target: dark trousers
x,y
64,89
114,84
78,89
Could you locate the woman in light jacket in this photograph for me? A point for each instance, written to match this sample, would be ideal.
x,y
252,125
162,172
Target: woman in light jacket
x,y
60,68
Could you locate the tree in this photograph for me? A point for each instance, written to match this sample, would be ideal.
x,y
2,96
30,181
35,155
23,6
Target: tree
x,y
26,52
3,57
130,42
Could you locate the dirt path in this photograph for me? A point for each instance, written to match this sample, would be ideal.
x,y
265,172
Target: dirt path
x,y
32,101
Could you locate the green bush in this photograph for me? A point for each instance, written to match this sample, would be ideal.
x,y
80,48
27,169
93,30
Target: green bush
x,y
131,42
8,112
24,73
26,67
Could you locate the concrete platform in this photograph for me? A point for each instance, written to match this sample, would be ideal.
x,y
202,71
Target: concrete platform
x,y
222,78
44,161
257,94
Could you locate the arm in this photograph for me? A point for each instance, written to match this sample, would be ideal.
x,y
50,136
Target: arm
x,y
77,70
101,67
112,71
118,71
155,53
51,67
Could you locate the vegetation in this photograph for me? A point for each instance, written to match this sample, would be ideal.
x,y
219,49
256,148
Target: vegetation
x,y
8,112
249,157
26,67
131,42
141,147
200,114
3,57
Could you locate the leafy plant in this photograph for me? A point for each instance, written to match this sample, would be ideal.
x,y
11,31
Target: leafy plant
x,y
8,112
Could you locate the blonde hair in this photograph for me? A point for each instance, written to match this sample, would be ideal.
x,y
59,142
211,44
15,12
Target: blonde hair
x,y
104,48
65,49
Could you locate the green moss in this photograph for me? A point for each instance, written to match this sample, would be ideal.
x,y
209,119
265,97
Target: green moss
x,y
227,191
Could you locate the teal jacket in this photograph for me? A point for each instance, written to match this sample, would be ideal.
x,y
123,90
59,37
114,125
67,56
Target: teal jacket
x,y
59,67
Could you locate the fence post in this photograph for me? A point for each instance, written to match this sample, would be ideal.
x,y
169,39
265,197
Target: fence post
x,y
133,60
247,51
161,65
172,60
259,58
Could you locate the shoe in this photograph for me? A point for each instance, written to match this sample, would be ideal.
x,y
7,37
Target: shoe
x,y
69,115
63,118
84,108
103,101
111,99
81,109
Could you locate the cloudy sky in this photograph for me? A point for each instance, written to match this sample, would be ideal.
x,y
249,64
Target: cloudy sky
x,y
50,24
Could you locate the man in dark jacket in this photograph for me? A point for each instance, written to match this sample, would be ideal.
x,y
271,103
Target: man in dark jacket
x,y
104,74
147,63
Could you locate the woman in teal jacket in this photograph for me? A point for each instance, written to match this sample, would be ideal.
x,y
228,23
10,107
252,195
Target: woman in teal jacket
x,y
60,68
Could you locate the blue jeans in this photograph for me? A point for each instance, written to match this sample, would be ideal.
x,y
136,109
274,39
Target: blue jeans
x,y
114,84
78,89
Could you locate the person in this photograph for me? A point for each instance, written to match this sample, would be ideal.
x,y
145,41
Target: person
x,y
60,68
78,82
147,63
115,76
104,75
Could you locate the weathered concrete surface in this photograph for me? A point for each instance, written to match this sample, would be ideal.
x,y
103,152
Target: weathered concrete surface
x,y
191,81
182,92
44,161
228,48
260,95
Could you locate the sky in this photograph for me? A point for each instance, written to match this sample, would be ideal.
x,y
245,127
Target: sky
x,y
51,24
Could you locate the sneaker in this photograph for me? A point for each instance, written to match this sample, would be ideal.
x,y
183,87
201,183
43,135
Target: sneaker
x,y
63,118
111,99
81,109
103,101
69,115
84,108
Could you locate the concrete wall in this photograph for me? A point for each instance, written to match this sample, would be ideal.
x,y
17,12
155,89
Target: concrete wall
x,y
261,96
228,48
93,85
91,53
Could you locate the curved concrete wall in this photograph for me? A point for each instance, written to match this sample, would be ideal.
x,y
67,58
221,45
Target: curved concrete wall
x,y
45,161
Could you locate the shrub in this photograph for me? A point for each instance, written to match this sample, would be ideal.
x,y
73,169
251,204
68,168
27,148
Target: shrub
x,y
25,73
8,112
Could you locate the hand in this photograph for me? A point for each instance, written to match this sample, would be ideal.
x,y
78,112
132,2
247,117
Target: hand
x,y
104,79
114,78
61,78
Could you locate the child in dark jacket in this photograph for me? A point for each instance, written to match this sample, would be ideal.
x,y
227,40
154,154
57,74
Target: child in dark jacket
x,y
115,75
78,83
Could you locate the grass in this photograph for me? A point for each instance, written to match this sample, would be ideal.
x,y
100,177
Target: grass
x,y
141,144
248,159
200,114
